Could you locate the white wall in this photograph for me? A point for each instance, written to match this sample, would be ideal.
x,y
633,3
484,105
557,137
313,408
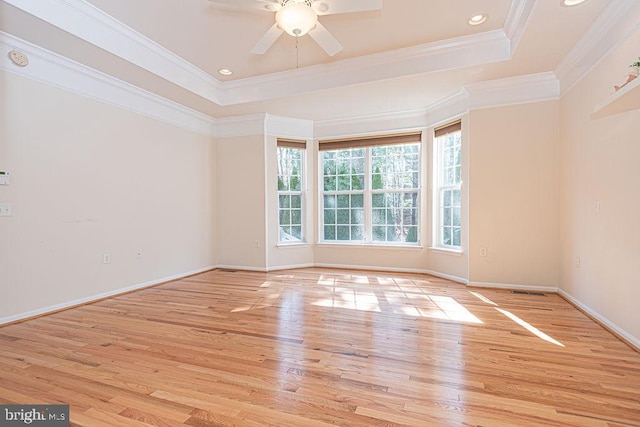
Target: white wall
x,y
513,190
88,179
600,162
241,206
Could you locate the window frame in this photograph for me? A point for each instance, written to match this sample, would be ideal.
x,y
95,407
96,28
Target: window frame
x,y
302,146
439,187
368,143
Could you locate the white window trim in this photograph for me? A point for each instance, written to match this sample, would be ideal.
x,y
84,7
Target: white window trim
x,y
303,204
438,149
368,191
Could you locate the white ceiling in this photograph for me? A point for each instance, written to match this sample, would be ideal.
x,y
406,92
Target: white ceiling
x,y
409,55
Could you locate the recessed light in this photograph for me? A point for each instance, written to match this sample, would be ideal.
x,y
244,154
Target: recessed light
x,y
478,19
225,71
572,2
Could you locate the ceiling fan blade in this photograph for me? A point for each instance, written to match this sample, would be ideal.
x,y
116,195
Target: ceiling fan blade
x,y
267,40
332,7
263,5
324,38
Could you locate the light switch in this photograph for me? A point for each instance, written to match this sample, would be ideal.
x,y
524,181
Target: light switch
x,y
4,178
5,209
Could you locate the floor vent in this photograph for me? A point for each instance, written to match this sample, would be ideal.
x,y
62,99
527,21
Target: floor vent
x,y
538,294
225,270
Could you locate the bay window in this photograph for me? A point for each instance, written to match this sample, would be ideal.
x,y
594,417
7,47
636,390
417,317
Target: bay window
x,y
370,189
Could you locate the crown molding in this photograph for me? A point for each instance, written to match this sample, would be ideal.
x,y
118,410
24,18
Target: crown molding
x,y
619,20
493,93
89,23
84,20
239,126
447,108
513,90
369,124
484,48
286,127
53,69
56,70
517,20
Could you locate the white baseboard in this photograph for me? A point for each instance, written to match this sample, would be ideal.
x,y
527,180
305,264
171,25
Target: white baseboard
x,y
241,268
86,300
394,270
290,267
512,286
630,339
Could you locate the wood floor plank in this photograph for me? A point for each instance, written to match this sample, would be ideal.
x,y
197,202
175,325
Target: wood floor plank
x,y
316,346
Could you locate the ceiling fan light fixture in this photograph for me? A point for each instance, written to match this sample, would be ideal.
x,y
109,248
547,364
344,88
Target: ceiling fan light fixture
x,y
296,19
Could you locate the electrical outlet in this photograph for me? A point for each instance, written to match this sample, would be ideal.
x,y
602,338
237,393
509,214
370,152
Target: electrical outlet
x,y
5,209
139,254
483,252
106,258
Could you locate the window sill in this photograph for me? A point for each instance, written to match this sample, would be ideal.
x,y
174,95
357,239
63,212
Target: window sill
x,y
446,251
416,247
287,245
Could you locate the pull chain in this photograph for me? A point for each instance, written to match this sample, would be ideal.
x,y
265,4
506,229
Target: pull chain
x,y
297,59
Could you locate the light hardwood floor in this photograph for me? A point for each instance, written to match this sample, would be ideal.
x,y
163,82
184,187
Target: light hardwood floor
x,y
317,347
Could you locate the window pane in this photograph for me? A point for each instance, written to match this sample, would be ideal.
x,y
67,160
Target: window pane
x,y
296,217
378,217
344,182
357,201
297,232
296,201
329,201
456,237
343,216
330,183
446,216
343,201
379,234
412,234
376,180
357,232
456,198
285,217
456,217
343,232
329,216
357,216
284,201
377,200
446,198
329,166
329,233
446,236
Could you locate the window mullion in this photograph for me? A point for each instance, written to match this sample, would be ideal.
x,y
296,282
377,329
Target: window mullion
x,y
367,197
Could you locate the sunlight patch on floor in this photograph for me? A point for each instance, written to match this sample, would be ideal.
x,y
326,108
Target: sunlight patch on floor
x,y
537,332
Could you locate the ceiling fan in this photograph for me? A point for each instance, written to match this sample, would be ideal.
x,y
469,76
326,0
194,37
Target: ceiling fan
x,y
300,17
